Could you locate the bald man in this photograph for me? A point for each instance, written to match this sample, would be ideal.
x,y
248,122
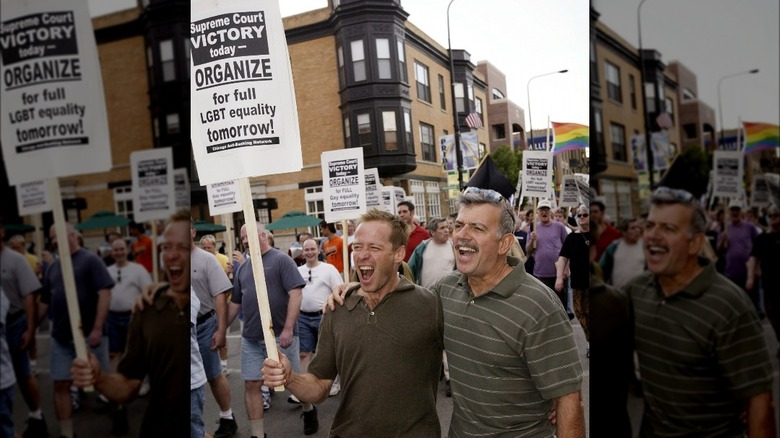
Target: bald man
x,y
93,286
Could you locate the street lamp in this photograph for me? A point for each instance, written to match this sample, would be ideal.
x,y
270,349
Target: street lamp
x,y
456,122
720,108
528,95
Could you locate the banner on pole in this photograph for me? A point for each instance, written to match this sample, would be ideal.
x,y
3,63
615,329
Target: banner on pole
x,y
469,147
53,120
153,191
343,184
224,197
243,101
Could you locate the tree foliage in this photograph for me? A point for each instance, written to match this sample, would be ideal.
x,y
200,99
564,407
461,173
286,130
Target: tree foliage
x,y
509,162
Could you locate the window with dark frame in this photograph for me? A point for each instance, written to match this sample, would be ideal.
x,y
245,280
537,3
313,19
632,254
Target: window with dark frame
x,y
383,58
402,61
391,132
365,136
358,60
442,100
613,82
426,142
423,83
618,138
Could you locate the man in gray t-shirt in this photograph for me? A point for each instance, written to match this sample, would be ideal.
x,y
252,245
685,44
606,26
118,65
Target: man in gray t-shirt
x,y
284,286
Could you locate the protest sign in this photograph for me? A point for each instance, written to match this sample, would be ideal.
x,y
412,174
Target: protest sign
x,y
243,101
53,120
32,198
570,193
536,174
224,197
181,187
390,196
343,182
773,185
372,188
153,191
759,193
727,167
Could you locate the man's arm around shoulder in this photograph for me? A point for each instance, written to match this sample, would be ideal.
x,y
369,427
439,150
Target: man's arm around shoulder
x,y
570,422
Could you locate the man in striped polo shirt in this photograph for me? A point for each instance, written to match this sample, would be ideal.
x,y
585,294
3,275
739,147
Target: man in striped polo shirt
x,y
702,354
509,342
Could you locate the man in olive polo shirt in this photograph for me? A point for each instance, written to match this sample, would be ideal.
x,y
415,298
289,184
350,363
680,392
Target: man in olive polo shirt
x,y
389,333
701,347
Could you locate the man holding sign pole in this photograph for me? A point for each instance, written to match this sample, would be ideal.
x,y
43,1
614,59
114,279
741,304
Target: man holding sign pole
x,y
93,286
284,286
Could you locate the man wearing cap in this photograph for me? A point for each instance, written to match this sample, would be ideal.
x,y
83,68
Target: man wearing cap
x,y
736,244
763,264
545,245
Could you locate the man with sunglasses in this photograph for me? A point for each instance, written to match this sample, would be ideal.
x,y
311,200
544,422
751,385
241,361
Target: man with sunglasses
x,y
701,347
320,278
510,346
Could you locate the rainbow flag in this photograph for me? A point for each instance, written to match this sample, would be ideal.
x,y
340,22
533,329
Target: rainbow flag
x,y
761,137
569,136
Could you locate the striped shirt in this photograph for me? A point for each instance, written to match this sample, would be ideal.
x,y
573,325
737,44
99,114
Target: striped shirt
x,y
510,351
701,352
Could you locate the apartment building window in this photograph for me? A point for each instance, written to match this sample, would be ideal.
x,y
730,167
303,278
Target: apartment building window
x,y
669,104
167,60
618,138
426,142
599,126
364,131
408,130
358,60
391,132
460,106
383,58
402,61
342,72
347,133
418,191
498,94
123,201
632,91
499,131
315,206
470,94
150,64
442,100
172,123
432,193
156,128
478,109
423,84
613,82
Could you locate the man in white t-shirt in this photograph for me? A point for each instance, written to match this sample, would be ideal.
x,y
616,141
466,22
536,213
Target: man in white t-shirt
x,y
130,279
624,258
432,259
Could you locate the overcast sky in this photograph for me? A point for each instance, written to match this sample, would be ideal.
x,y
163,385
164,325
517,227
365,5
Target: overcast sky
x,y
713,38
522,38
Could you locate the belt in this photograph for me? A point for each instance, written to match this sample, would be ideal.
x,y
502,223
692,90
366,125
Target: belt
x,y
203,318
317,313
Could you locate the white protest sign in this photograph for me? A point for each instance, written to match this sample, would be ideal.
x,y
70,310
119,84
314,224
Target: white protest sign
x,y
773,185
386,198
224,197
727,167
153,191
343,182
372,188
32,198
53,110
570,193
181,187
243,102
759,193
537,173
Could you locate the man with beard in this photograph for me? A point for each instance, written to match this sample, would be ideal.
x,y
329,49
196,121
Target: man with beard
x,y
156,345
701,348
389,331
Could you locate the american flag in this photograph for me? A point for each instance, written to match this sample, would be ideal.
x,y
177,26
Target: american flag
x,y
664,120
473,120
